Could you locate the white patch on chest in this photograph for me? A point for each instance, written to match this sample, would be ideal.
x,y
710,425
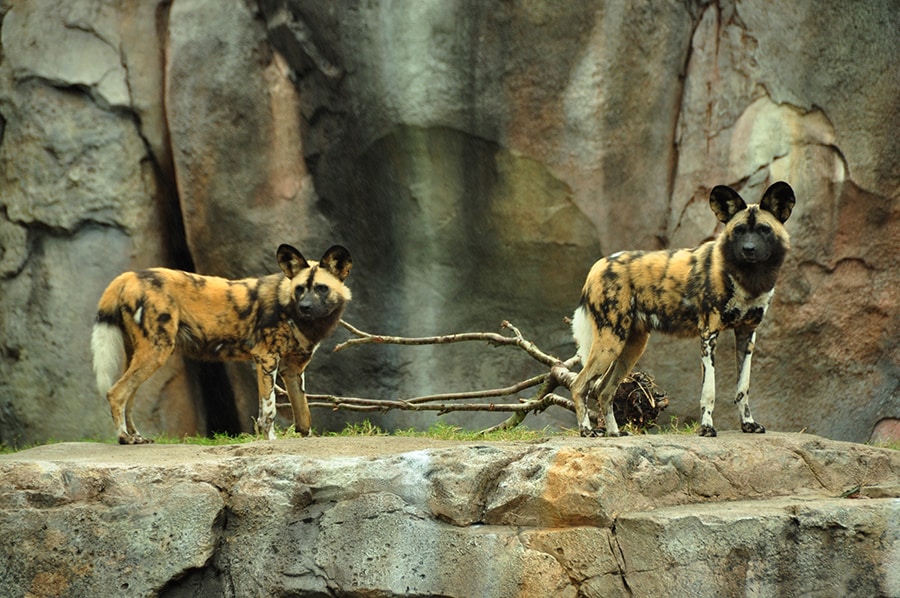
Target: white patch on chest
x,y
743,303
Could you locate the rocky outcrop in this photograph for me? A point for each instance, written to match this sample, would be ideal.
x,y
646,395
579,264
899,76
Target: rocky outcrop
x,y
475,160
641,516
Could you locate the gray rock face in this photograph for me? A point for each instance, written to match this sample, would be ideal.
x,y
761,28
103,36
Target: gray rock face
x,y
639,516
475,160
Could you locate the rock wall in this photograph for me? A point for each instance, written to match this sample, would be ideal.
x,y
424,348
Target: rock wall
x,y
475,158
643,516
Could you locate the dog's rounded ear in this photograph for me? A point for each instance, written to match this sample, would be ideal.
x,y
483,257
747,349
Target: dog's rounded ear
x,y
291,261
725,202
337,260
779,201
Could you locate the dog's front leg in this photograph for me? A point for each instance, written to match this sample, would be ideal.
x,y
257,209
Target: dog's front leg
x,y
744,343
266,372
296,388
708,389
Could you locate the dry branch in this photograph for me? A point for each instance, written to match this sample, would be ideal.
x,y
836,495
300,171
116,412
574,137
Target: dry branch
x,y
492,338
357,404
638,389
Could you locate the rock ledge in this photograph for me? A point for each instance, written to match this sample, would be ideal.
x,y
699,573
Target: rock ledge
x,y
383,516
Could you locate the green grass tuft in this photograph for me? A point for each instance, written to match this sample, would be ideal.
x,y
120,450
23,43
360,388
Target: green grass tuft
x,y
215,440
363,428
442,431
894,445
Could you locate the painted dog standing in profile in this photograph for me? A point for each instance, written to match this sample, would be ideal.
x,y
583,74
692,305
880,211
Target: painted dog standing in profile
x,y
277,321
726,283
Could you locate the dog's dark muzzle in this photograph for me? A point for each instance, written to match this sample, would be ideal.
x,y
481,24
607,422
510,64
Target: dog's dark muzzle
x,y
312,310
752,249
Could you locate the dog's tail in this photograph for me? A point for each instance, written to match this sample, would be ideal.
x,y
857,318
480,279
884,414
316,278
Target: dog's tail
x,y
582,331
108,347
108,342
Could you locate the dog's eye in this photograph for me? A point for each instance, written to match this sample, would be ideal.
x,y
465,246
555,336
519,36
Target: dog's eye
x,y
321,289
740,229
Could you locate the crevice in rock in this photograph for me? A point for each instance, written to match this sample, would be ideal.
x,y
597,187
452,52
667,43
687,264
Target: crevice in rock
x,y
214,390
217,397
697,13
616,550
574,580
299,39
207,581
812,466
489,481
203,582
831,268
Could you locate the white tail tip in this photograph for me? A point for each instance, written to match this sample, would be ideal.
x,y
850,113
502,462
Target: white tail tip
x,y
582,332
109,353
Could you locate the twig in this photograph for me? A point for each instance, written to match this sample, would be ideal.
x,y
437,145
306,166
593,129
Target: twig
x,y
483,394
358,404
492,338
532,406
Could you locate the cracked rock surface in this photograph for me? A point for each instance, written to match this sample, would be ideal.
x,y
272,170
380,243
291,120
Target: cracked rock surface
x,y
384,516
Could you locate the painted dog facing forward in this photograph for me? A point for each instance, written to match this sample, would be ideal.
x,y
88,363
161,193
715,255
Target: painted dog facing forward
x,y
726,283
277,321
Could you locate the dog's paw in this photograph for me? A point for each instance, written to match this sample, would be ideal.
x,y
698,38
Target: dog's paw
x,y
752,428
591,432
707,431
134,439
618,434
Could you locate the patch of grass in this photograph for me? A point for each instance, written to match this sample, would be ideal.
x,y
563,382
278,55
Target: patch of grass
x,y
363,428
438,430
894,445
215,440
690,428
442,431
5,449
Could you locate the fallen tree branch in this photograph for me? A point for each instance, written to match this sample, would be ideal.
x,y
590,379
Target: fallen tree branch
x,y
483,394
358,404
560,374
492,338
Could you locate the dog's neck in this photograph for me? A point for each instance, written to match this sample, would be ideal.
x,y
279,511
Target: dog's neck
x,y
312,331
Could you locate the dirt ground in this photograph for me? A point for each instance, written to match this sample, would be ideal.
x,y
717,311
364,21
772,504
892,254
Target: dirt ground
x,y
174,454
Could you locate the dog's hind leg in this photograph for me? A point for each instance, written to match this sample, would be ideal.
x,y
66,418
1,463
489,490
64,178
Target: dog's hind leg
x,y
744,343
584,387
147,358
631,352
598,350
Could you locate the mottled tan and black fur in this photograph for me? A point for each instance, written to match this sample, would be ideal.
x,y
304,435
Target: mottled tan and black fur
x,y
277,321
726,283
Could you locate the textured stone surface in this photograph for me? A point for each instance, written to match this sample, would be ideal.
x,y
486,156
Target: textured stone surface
x,y
388,516
475,160
777,547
